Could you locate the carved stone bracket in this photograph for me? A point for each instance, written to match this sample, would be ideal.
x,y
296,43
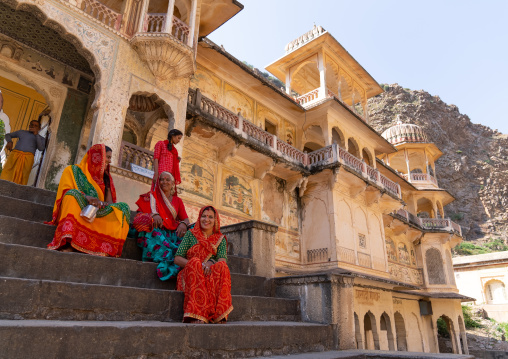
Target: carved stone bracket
x,y
166,57
228,151
372,195
262,169
294,182
303,185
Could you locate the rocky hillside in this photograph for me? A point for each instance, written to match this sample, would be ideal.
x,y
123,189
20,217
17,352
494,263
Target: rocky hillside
x,y
474,167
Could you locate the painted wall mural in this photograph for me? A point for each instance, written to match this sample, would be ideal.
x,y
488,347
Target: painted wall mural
x,y
290,133
236,101
293,211
390,250
209,84
403,254
287,245
197,178
237,193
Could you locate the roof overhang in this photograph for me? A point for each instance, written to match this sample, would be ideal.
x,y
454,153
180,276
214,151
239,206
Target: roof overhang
x,y
214,13
430,147
336,51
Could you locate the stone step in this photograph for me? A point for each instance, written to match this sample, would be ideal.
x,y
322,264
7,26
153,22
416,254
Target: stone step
x,y
36,234
27,193
36,263
91,339
52,300
19,208
370,354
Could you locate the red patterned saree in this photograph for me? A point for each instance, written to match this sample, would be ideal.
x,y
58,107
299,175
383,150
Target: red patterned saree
x,y
207,297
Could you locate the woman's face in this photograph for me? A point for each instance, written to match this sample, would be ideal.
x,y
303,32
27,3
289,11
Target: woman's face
x,y
207,220
176,139
109,154
166,183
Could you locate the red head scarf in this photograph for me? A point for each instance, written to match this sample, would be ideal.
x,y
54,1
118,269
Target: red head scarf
x,y
215,237
97,167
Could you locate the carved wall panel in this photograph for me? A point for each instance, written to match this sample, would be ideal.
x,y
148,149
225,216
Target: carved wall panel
x,y
435,270
238,102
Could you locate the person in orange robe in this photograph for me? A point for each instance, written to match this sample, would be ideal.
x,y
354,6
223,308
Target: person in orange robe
x,y
205,278
80,185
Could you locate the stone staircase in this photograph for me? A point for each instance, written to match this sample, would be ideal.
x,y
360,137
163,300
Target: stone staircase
x,y
73,305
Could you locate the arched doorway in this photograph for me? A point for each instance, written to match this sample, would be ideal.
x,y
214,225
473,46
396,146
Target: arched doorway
x,y
370,332
147,121
400,332
367,157
45,58
446,335
358,333
338,137
313,138
386,334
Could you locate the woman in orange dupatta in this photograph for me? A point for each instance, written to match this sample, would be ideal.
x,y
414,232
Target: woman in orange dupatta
x,y
90,183
205,278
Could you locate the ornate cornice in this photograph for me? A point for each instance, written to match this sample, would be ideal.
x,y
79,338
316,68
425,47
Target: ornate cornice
x,y
248,225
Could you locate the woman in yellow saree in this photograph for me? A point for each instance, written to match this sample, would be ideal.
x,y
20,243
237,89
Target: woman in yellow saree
x,y
90,183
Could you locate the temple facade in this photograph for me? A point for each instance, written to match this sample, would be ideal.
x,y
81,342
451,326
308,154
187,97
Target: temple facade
x,y
347,201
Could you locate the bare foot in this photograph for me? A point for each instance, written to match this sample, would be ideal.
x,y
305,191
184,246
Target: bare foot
x,y
67,249
197,322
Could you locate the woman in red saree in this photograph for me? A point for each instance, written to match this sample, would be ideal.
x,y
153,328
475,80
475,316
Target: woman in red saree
x,y
205,278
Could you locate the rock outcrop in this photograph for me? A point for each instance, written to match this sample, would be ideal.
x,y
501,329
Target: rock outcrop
x,y
474,165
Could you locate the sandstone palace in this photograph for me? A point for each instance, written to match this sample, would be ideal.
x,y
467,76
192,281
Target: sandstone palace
x,y
345,224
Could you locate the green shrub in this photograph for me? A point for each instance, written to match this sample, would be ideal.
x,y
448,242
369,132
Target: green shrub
x,y
496,245
458,151
442,329
457,216
469,321
469,249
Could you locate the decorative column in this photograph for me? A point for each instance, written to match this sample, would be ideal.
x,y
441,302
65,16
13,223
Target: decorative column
x,y
288,82
192,22
406,156
168,25
142,16
322,75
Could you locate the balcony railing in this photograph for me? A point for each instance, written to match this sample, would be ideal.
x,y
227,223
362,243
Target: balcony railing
x,y
430,223
308,97
155,23
324,156
180,30
132,154
99,11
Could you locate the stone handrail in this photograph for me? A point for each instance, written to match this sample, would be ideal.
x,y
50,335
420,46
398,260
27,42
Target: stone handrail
x,y
308,97
180,30
364,260
321,156
423,177
317,255
99,11
430,223
350,160
154,23
347,255
390,185
258,133
130,153
292,152
218,111
373,174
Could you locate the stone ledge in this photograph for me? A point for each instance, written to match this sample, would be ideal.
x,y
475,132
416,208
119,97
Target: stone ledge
x,y
129,174
248,225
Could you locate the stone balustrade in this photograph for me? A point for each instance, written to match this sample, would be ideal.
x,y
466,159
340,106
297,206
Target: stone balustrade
x,y
445,224
132,154
423,177
180,30
308,97
155,23
99,12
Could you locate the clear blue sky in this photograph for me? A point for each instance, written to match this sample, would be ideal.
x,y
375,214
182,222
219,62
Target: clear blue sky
x,y
456,49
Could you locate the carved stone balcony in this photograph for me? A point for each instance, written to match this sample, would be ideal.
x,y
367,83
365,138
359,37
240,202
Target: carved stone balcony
x,y
430,224
165,47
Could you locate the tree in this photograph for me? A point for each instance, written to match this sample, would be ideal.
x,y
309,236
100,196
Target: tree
x,y
232,181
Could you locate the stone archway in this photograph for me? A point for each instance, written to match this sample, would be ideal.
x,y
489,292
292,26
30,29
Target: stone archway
x,y
463,336
400,332
386,332
371,334
446,337
358,333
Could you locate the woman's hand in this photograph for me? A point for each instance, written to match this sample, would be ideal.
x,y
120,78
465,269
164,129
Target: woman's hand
x,y
181,229
157,220
93,201
207,267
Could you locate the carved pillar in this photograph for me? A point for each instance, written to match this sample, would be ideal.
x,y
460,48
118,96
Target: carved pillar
x,y
142,15
343,312
288,82
168,25
407,165
192,23
322,75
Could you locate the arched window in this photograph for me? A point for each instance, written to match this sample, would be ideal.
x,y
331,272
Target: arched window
x,y
495,292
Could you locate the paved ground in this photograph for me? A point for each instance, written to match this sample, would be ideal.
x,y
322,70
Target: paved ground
x,y
370,354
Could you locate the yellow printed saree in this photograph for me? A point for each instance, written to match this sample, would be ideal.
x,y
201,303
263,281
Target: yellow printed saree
x,y
106,235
